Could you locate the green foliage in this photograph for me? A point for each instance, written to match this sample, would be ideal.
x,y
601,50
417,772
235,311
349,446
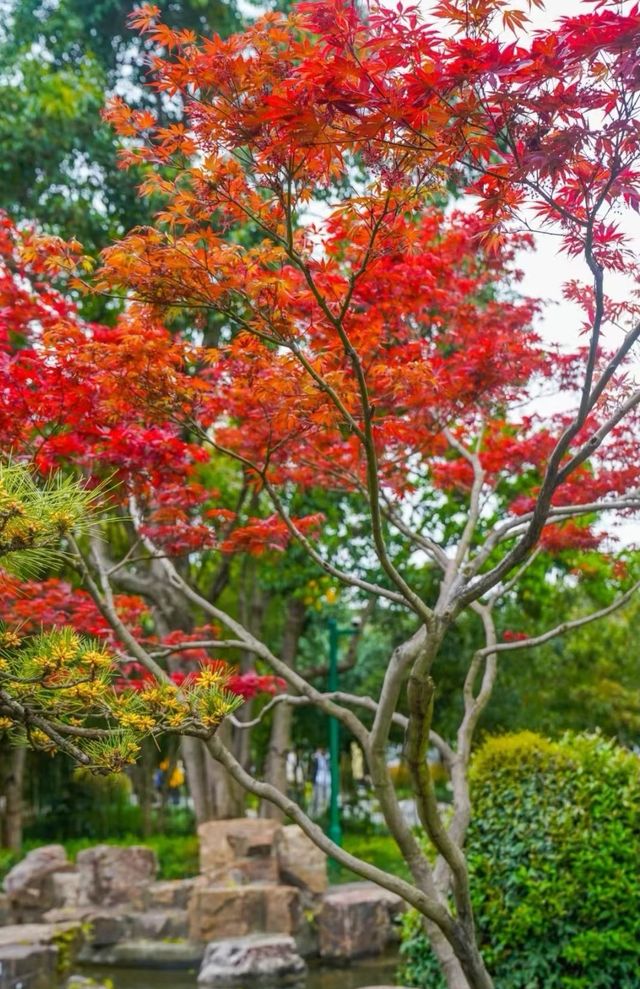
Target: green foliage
x,y
597,666
72,804
178,854
58,63
8,859
553,853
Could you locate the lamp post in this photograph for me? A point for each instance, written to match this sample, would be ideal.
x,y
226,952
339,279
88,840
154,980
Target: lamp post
x,y
335,634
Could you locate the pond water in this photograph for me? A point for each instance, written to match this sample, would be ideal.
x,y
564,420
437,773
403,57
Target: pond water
x,y
366,973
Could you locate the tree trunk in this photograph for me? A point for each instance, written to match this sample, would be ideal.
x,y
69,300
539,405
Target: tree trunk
x,y
142,781
209,784
253,601
451,968
12,782
467,970
280,740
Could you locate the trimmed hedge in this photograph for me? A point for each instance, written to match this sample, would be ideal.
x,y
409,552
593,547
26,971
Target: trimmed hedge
x,y
554,857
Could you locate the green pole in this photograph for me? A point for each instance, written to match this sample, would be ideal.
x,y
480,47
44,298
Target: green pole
x,y
335,829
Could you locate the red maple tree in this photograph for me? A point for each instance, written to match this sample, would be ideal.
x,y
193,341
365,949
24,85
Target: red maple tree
x,y
379,350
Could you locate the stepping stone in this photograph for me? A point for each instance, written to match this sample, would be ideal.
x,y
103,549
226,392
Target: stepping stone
x,y
262,958
356,920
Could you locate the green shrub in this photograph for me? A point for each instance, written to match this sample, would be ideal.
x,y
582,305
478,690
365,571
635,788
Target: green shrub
x,y
7,861
554,857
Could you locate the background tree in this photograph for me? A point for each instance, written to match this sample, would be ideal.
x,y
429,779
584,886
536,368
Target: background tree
x,y
58,63
381,354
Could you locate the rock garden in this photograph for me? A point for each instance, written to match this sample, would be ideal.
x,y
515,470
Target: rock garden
x,y
260,909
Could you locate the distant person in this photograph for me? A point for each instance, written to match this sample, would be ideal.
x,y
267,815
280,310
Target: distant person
x,y
294,774
321,781
357,765
175,781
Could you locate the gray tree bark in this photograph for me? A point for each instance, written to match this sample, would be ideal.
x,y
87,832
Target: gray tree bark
x,y
12,781
280,740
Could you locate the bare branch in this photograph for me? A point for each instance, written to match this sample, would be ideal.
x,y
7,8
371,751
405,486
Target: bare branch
x,y
428,906
552,633
350,721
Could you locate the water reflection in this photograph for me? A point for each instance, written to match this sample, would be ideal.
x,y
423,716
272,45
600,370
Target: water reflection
x,y
366,973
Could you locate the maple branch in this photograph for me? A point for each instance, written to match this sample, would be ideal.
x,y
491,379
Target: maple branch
x,y
597,272
203,644
596,440
385,715
364,585
474,704
340,697
563,627
420,696
373,481
250,642
125,559
403,658
500,592
350,700
554,476
105,604
295,700
433,550
630,339
516,526
472,457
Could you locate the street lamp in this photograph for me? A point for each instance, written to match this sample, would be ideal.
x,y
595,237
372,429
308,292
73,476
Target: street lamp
x,y
335,634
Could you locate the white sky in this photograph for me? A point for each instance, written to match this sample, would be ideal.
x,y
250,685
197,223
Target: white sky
x,y
546,270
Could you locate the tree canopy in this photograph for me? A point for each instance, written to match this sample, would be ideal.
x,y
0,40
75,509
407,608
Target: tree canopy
x,y
375,401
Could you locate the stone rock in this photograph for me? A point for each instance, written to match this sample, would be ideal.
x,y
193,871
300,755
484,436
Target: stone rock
x,y
171,894
107,927
217,912
395,905
82,982
111,875
63,940
65,888
260,958
300,862
306,935
31,886
143,953
354,921
5,909
160,924
101,927
240,850
30,966
47,934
